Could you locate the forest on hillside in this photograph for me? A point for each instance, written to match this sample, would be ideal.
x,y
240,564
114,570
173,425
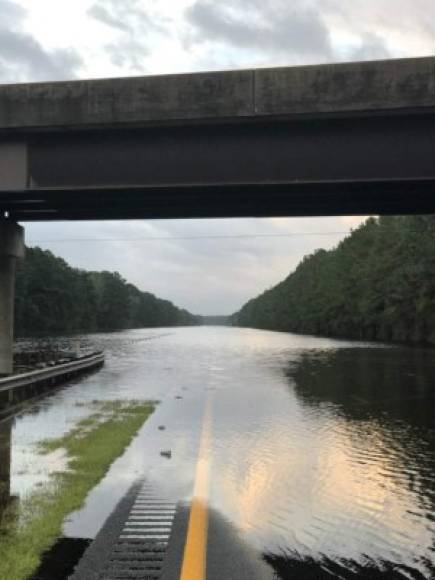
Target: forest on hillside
x,y
377,284
53,297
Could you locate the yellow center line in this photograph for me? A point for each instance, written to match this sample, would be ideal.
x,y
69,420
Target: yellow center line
x,y
195,549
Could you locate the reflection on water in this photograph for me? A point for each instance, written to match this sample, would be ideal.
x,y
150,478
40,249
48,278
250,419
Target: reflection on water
x,y
369,424
370,382
322,451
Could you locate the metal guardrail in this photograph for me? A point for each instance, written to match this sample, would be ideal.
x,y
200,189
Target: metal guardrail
x,y
38,376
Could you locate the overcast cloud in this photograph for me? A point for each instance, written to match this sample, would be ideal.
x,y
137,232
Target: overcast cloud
x,y
23,57
47,40
134,24
281,28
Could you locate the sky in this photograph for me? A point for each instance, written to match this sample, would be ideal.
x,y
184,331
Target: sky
x,y
206,266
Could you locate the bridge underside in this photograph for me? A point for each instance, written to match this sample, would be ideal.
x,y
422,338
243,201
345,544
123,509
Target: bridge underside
x,y
324,199
330,166
349,138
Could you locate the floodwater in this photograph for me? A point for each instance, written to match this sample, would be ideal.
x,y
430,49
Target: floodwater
x,y
322,451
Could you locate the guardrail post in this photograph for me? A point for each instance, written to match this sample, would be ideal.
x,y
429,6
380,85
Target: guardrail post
x,y
11,249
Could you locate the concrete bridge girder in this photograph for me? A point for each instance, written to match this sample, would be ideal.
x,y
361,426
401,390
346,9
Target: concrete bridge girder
x,y
348,138
11,249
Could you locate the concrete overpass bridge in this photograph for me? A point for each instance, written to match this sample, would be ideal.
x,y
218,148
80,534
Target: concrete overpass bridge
x,y
354,138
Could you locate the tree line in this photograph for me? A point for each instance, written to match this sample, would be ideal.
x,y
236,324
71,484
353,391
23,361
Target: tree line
x,y
377,284
53,297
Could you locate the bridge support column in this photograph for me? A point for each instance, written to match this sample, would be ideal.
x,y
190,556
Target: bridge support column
x,y
11,249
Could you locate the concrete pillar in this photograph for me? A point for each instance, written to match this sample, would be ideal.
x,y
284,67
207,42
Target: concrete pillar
x,y
11,249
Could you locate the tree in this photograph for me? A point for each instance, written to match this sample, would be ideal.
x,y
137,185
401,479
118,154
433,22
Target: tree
x,y
378,283
52,297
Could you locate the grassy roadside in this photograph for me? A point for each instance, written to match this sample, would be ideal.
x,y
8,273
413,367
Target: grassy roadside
x,y
91,447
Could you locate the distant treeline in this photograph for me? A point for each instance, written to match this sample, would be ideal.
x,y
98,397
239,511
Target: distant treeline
x,y
53,297
216,320
378,284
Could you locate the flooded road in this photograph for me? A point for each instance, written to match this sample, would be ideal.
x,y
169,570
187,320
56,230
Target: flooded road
x,y
321,453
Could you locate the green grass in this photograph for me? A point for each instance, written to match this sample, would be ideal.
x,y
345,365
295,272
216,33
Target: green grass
x,y
32,527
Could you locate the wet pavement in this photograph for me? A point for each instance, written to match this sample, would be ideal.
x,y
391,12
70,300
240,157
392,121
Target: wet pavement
x,y
320,453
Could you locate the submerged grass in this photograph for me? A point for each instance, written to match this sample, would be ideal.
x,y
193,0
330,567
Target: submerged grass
x,y
32,527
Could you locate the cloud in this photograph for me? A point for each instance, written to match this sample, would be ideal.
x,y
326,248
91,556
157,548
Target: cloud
x,y
148,37
386,28
129,54
134,25
23,58
129,16
372,47
291,30
279,32
104,15
11,13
